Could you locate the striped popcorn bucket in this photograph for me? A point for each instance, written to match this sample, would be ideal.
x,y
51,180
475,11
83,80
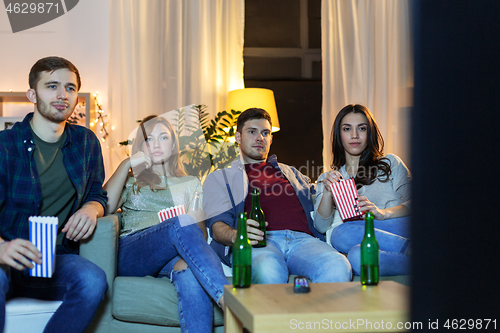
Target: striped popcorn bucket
x,y
168,213
43,234
345,195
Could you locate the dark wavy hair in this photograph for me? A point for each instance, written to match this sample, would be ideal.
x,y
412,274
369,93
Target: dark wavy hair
x,y
147,177
51,64
372,163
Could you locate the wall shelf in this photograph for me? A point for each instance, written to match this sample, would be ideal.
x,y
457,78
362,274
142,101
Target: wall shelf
x,y
85,103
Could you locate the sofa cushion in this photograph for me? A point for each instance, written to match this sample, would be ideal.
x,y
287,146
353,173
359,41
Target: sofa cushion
x,y
149,300
28,314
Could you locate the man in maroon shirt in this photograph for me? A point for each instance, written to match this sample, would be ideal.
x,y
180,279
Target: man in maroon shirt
x,y
294,246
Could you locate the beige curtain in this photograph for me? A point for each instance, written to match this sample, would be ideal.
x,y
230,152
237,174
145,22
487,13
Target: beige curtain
x,y
367,59
165,54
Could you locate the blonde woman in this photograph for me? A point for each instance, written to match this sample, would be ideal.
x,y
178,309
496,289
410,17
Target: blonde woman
x,y
176,247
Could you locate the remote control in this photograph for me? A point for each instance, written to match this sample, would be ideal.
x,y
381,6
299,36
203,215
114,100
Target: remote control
x,y
301,285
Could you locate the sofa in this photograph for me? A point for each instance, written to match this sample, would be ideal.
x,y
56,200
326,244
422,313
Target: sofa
x,y
28,315
141,304
132,304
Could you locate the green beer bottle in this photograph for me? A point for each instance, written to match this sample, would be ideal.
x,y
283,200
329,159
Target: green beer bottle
x,y
257,214
369,253
242,255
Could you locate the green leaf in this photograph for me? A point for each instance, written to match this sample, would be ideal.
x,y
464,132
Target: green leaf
x,y
195,154
214,144
125,143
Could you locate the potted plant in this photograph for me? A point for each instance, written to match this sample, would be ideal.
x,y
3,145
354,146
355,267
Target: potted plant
x,y
205,144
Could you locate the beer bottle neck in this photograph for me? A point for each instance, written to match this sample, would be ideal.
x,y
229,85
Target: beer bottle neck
x,y
242,228
369,228
255,201
196,202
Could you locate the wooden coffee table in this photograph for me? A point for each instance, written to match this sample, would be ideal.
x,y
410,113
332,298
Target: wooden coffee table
x,y
328,307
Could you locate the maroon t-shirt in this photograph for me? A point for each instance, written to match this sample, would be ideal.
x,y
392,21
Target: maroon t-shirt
x,y
278,200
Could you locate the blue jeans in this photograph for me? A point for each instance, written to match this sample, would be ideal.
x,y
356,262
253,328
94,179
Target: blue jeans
x,y
293,252
393,236
155,250
193,296
77,282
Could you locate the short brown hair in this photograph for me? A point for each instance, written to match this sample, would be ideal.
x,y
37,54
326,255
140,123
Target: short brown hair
x,y
251,114
51,64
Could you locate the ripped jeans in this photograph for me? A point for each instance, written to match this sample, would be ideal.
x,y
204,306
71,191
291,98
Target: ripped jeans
x,y
155,250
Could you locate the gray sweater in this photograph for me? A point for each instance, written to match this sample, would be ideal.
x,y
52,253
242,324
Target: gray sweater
x,y
384,195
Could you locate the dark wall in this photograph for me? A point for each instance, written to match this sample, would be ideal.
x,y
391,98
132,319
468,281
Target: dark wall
x,y
276,24
272,23
456,230
299,142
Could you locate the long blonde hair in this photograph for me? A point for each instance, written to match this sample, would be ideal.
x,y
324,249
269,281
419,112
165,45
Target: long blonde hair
x,y
148,177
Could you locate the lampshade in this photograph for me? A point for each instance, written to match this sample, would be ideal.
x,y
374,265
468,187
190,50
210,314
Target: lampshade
x,y
242,99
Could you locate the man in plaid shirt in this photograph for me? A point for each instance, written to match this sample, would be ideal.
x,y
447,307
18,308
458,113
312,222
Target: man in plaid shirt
x,y
51,168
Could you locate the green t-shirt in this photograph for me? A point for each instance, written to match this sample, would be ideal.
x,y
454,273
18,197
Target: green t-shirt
x,y
58,192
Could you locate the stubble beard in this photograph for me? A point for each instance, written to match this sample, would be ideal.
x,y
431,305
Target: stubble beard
x,y
256,156
55,117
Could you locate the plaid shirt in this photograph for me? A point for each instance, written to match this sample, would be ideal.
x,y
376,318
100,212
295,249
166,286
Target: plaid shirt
x,y
20,190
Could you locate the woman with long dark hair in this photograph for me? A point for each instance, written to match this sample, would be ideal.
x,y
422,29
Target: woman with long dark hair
x,y
152,179
383,183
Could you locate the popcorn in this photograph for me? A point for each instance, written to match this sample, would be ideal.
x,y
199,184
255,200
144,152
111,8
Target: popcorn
x,y
345,195
43,234
168,213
